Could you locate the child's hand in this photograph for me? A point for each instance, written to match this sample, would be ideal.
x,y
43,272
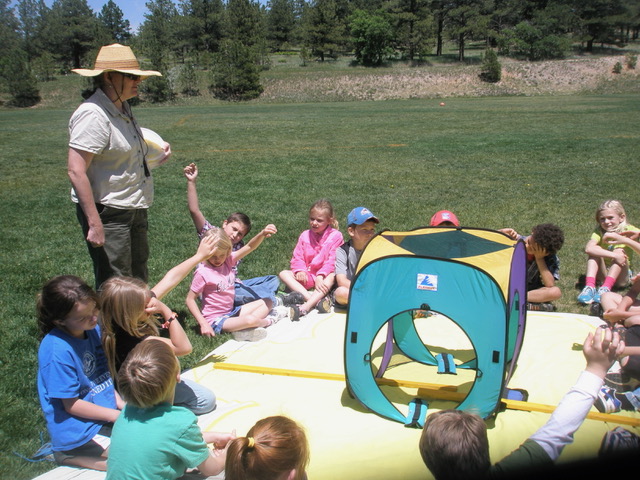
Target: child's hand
x,y
612,238
301,277
510,232
601,349
537,250
191,172
218,439
269,230
321,286
619,256
207,331
613,315
206,248
632,234
155,306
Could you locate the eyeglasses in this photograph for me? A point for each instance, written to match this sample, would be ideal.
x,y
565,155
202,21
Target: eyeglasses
x,y
133,77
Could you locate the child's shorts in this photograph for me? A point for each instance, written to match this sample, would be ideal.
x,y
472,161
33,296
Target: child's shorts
x,y
218,323
93,448
311,281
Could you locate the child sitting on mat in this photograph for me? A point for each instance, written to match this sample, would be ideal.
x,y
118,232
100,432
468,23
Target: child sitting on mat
x,y
313,262
607,262
75,389
543,264
236,226
275,448
153,438
361,227
214,281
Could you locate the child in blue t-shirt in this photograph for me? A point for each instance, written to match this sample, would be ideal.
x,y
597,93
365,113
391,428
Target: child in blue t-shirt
x,y
74,385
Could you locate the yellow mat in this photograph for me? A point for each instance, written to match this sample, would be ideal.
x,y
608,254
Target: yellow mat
x,y
304,379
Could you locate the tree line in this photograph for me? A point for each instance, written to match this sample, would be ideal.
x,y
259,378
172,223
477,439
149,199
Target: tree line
x,y
234,38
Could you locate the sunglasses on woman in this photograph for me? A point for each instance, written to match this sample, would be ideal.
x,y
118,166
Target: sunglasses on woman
x,y
132,76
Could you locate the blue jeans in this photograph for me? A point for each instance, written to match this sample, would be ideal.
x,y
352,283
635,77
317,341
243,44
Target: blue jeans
x,y
256,288
195,397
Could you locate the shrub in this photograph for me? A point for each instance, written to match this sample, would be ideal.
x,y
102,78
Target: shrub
x,y
157,89
491,70
631,60
617,68
188,80
236,74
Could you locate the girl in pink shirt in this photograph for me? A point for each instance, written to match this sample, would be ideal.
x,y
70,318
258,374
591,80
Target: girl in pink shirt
x,y
214,283
313,262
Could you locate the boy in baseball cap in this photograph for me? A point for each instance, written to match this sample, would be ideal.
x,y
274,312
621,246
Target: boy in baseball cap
x,y
361,227
444,218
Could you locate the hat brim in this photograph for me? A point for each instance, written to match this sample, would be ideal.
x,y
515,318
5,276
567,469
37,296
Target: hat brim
x,y
85,72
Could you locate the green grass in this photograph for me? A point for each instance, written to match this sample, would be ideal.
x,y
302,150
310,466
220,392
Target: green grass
x,y
496,162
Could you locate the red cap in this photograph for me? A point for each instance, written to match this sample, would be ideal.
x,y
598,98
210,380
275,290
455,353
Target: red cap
x,y
444,216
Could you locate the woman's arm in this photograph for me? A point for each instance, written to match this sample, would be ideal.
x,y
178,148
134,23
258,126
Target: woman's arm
x,y
78,162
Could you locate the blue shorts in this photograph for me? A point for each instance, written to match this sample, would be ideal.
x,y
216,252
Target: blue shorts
x,y
218,323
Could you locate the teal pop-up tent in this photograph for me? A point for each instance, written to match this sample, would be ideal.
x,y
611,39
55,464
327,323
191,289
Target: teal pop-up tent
x,y
475,277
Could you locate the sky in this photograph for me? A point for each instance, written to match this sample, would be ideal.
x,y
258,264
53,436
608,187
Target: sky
x,y
133,10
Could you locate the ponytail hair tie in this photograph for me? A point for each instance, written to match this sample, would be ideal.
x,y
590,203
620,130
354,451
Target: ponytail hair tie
x,y
251,442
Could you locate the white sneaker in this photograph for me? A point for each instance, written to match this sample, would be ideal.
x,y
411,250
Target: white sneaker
x,y
250,334
278,313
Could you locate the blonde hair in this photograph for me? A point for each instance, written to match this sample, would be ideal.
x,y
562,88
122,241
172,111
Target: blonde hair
x,y
272,447
617,207
149,375
324,205
220,237
454,445
123,301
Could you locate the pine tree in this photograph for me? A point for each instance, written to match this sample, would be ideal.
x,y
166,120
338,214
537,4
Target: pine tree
x,y
112,20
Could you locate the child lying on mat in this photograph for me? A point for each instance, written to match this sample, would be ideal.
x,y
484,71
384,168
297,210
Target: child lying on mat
x,y
454,443
153,438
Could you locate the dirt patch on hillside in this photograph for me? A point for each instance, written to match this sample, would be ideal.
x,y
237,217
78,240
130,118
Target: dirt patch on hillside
x,y
561,77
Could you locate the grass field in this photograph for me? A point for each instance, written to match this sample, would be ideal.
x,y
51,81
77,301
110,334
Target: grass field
x,y
496,162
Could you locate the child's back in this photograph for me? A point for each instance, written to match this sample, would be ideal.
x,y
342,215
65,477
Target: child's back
x,y
154,439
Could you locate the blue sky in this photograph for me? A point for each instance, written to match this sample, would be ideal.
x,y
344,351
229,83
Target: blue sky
x,y
133,10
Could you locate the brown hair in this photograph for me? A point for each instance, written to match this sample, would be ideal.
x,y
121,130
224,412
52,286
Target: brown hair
x,y
454,445
324,205
58,297
240,218
124,300
149,375
272,447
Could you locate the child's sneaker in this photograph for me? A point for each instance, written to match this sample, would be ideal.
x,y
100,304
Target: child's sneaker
x,y
599,293
298,312
586,295
250,334
541,307
606,401
619,441
294,298
278,313
324,305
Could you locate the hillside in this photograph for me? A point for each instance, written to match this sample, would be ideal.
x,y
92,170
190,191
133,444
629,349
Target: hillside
x,y
336,81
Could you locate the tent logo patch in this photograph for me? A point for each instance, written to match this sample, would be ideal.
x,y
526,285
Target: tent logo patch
x,y
427,282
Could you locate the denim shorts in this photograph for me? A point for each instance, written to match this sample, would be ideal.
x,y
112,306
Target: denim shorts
x,y
218,323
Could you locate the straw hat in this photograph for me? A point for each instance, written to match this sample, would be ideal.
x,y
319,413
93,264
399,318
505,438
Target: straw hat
x,y
116,58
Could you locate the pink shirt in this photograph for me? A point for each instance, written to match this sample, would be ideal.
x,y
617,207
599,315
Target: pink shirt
x,y
217,286
315,253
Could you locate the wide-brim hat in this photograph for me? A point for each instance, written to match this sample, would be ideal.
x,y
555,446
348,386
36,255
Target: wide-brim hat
x,y
116,58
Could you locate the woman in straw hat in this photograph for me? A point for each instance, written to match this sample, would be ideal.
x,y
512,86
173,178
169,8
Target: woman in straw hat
x,y
111,180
